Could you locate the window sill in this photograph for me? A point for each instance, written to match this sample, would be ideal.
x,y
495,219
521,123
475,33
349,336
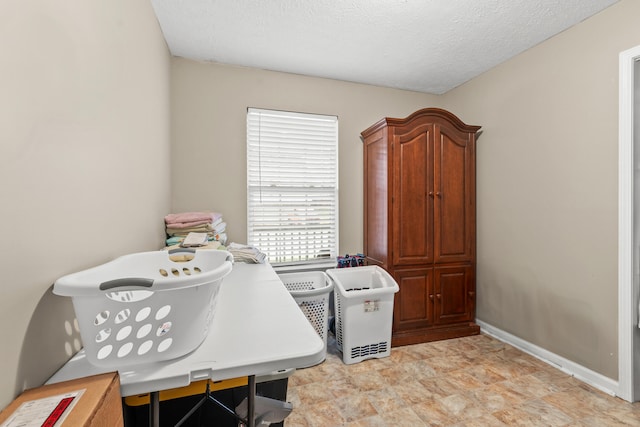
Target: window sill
x,y
319,265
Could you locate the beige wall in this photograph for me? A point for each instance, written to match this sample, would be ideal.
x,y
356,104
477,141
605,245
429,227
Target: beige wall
x,y
208,129
84,131
547,189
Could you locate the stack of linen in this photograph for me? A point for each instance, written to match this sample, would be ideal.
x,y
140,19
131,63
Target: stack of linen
x,y
247,254
179,225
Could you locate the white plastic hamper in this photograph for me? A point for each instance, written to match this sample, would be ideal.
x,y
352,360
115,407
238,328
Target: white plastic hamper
x,y
363,299
311,290
145,307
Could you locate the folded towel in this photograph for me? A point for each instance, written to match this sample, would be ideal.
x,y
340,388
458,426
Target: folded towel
x,y
174,240
188,224
192,217
245,253
180,225
202,228
195,240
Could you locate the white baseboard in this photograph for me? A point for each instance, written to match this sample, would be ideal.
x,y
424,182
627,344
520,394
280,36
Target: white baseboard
x,y
594,379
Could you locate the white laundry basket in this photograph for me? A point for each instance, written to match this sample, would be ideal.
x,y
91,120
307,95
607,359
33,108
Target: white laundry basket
x,y
364,312
311,290
145,307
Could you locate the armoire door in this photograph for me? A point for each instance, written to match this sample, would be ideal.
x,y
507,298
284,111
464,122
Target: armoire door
x,y
413,304
412,196
454,191
454,294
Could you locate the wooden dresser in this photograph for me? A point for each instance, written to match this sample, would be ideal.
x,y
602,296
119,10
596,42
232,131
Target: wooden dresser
x,y
419,221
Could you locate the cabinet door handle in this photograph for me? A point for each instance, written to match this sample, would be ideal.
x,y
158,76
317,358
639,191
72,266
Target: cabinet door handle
x,y
431,297
471,294
438,194
438,296
430,193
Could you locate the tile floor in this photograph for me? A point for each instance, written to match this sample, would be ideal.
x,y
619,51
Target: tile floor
x,y
472,381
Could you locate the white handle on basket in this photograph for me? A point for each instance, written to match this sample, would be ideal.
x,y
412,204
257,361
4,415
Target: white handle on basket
x,y
129,281
195,252
138,281
176,250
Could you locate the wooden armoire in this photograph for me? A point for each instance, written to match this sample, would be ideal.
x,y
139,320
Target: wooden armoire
x,y
420,221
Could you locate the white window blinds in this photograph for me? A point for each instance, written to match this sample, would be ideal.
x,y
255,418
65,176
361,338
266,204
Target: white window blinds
x,y
292,185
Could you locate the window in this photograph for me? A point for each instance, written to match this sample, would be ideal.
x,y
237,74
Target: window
x,y
292,185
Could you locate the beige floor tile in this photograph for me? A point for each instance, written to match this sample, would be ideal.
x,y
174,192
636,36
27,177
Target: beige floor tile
x,y
496,397
509,368
556,379
374,364
534,413
401,355
625,412
395,374
374,421
386,400
332,368
339,388
368,381
415,370
485,343
484,420
404,417
484,375
296,418
529,385
368,365
604,420
420,351
413,392
307,376
460,407
579,403
465,382
323,414
355,407
444,364
293,398
434,414
313,393
419,369
438,388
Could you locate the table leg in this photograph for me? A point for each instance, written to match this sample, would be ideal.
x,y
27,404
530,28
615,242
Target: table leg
x,y
154,409
251,401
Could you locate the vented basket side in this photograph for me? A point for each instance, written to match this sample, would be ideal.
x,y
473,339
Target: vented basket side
x,y
311,291
364,316
124,326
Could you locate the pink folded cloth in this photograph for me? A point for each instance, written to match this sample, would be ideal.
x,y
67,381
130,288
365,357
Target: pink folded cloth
x,y
192,217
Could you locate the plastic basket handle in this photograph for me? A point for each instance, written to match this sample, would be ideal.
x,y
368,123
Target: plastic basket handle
x,y
130,281
176,250
193,251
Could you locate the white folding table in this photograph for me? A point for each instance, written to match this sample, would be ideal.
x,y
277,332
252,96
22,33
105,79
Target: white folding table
x,y
257,329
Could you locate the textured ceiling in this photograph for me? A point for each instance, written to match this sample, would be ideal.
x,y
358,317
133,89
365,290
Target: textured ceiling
x,y
428,46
